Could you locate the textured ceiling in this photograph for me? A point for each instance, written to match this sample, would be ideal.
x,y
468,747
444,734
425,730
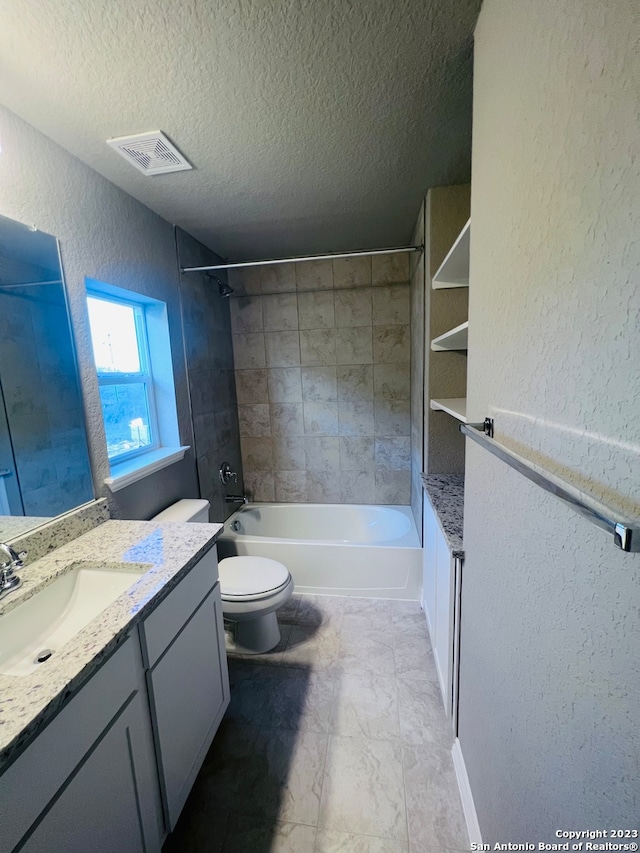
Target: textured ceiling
x,y
314,125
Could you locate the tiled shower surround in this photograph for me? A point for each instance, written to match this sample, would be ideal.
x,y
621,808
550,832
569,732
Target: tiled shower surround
x,y
322,352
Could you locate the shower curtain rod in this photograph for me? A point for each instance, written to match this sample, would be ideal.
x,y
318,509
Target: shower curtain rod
x,y
328,257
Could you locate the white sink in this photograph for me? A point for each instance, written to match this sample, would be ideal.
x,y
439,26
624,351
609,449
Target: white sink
x,y
51,617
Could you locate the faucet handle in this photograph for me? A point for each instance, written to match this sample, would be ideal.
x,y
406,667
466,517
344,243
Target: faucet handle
x,y
15,559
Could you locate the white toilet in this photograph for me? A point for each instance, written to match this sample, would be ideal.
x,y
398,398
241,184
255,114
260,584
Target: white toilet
x,y
252,589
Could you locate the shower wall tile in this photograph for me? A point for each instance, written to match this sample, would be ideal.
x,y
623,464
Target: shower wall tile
x,y
320,418
314,275
355,382
353,307
318,346
351,272
357,453
282,349
391,344
322,453
356,418
252,386
316,310
257,453
354,345
319,384
249,351
280,312
392,381
323,487
393,453
245,282
391,305
260,485
393,487
389,269
324,384
285,385
255,420
289,453
287,418
246,315
290,486
357,487
278,278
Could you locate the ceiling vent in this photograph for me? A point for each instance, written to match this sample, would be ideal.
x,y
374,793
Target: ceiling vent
x,y
151,153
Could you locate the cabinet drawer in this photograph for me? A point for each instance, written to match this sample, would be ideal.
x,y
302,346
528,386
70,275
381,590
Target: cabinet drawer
x,y
46,764
168,618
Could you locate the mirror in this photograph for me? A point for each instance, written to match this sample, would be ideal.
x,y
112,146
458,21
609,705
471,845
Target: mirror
x,y
44,459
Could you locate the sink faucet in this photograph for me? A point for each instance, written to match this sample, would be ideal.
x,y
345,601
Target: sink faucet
x,y
9,562
236,499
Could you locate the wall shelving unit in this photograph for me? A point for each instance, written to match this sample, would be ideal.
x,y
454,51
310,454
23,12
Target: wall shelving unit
x,y
453,272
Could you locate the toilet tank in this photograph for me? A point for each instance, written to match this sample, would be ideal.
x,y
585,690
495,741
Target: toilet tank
x,y
185,510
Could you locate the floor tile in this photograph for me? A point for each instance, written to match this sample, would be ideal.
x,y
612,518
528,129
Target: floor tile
x,y
366,706
247,836
275,655
434,810
226,763
410,624
250,689
414,658
422,716
363,791
301,698
367,652
314,646
329,841
320,610
284,778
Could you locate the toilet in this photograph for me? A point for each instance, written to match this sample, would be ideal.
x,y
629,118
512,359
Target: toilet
x,y
252,589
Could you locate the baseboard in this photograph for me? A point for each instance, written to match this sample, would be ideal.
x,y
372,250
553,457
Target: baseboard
x,y
468,807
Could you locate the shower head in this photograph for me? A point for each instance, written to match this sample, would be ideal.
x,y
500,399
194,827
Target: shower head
x,y
224,289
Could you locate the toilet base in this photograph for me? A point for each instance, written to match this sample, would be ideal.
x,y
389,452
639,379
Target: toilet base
x,y
252,636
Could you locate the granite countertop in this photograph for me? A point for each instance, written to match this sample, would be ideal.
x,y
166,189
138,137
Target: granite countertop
x,y
446,495
28,703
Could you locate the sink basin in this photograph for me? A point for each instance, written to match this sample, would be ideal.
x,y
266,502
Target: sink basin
x,y
32,632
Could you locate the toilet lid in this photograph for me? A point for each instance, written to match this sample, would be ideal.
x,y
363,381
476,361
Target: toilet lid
x,y
250,576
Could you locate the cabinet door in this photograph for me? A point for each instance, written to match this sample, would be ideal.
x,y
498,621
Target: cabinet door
x,y
108,804
189,691
443,646
429,568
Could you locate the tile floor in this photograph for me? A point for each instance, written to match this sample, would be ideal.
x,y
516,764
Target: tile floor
x,y
335,742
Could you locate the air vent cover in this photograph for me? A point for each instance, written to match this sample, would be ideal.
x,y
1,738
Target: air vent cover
x,y
151,153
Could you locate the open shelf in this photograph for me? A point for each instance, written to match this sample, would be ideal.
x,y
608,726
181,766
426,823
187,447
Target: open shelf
x,y
454,339
455,406
454,270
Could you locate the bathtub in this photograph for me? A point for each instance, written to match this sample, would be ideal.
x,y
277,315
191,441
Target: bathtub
x,y
332,549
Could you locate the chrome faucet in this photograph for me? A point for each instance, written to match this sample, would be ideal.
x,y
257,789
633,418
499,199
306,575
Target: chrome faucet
x,y
9,562
236,499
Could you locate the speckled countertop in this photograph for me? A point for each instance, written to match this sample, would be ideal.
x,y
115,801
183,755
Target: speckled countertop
x,y
446,494
28,703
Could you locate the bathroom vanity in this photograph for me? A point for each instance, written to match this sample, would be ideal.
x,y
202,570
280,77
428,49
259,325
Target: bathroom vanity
x,y
101,743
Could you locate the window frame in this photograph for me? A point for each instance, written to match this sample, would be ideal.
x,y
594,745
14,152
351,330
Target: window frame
x,y
143,377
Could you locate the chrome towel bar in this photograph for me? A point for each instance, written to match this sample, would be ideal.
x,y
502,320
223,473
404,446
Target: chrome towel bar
x,y
626,534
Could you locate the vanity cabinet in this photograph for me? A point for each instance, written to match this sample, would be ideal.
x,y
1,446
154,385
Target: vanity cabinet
x,y
112,771
184,649
441,592
89,781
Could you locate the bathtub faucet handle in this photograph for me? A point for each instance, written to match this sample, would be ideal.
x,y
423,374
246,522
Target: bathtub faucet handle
x,y
226,474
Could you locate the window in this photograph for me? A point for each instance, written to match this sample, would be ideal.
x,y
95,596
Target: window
x,y
121,353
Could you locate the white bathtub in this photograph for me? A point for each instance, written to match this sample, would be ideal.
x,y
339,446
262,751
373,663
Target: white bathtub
x,y
332,549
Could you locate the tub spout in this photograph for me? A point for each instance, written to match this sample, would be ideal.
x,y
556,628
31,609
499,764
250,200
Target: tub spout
x,y
236,499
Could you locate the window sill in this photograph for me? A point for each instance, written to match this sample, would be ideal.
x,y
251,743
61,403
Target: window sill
x,y
125,473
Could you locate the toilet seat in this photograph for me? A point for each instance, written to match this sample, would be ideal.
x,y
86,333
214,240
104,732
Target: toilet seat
x,y
251,578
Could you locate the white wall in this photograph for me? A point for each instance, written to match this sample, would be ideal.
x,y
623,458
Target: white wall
x,y
106,235
550,672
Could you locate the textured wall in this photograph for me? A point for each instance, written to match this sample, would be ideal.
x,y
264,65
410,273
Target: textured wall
x,y
105,235
322,354
209,352
550,675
